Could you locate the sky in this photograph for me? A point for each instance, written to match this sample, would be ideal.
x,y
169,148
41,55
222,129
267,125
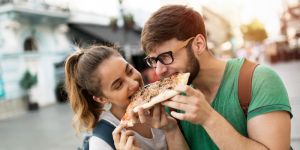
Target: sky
x,y
266,11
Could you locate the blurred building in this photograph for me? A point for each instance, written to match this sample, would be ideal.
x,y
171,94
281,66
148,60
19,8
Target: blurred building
x,y
286,46
218,32
290,18
33,36
231,12
38,37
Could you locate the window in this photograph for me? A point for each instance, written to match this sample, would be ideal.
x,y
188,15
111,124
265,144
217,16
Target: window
x,y
30,45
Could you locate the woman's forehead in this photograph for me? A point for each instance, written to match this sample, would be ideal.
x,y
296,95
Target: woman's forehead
x,y
112,69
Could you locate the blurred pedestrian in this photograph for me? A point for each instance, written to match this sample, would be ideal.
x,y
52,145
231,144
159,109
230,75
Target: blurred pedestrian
x,y
242,53
255,50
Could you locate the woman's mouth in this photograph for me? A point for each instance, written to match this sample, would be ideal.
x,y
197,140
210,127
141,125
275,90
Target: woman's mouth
x,y
134,92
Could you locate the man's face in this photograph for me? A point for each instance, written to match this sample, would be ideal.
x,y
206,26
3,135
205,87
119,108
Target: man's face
x,y
184,60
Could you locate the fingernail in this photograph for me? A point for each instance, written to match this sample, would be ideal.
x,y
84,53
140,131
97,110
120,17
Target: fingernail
x,y
125,123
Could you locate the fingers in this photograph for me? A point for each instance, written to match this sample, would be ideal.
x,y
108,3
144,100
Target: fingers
x,y
132,144
187,90
136,145
142,116
124,137
180,116
164,116
156,112
117,132
133,117
176,105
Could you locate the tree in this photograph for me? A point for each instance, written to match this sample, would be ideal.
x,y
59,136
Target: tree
x,y
26,83
28,80
255,31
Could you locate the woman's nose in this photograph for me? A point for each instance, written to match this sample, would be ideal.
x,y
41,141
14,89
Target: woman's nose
x,y
133,84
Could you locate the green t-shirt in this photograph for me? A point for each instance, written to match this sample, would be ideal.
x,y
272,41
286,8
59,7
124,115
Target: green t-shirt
x,y
268,94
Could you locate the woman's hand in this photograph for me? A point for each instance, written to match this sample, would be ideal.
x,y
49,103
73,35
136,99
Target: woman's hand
x,y
125,140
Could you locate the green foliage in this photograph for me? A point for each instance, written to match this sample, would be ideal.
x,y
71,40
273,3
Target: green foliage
x,y
255,31
128,17
113,20
28,80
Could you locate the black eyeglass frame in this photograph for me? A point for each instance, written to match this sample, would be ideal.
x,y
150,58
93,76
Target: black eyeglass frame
x,y
157,58
183,44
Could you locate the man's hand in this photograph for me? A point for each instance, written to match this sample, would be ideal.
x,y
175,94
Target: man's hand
x,y
125,140
158,118
197,109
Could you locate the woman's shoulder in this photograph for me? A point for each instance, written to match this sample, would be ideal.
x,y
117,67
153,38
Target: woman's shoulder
x,y
108,116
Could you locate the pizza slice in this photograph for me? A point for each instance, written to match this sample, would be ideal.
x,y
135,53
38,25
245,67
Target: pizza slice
x,y
154,93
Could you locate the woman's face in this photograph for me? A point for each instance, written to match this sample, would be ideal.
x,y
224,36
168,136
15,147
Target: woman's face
x,y
119,80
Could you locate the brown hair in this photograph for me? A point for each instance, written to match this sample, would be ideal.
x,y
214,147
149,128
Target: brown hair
x,y
83,83
179,21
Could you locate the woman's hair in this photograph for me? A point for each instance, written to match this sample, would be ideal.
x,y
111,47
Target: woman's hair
x,y
171,21
83,83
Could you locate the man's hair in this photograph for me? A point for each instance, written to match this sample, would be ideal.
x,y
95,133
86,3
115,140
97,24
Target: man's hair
x,y
171,21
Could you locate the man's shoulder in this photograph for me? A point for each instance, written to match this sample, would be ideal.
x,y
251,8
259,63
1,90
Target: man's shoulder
x,y
266,73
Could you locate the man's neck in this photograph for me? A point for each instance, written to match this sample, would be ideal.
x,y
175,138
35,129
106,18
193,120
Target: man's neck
x,y
210,75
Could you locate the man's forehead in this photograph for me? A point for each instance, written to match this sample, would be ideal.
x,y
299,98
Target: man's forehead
x,y
163,47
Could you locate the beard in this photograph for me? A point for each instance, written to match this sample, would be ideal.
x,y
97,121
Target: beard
x,y
193,65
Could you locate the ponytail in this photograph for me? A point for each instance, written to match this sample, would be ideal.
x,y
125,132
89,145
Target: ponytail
x,y
81,87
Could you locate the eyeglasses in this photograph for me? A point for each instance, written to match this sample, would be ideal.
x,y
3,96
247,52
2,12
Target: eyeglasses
x,y
165,58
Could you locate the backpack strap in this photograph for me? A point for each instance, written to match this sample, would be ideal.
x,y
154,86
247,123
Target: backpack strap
x,y
103,130
245,84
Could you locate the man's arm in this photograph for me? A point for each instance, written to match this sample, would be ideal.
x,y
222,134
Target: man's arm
x,y
161,120
264,130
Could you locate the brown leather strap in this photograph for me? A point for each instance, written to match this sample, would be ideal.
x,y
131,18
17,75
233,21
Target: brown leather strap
x,y
245,84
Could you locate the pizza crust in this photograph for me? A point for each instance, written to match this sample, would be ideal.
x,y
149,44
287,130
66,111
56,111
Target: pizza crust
x,y
129,123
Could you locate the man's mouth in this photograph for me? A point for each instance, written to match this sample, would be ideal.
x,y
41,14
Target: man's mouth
x,y
171,74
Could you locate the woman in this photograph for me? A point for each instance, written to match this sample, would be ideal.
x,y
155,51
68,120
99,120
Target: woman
x,y
98,76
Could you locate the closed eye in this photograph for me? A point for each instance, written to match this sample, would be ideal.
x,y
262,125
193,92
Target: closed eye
x,y
130,71
119,85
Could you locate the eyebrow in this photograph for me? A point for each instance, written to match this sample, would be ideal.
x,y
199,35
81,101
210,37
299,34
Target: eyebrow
x,y
115,82
126,67
119,78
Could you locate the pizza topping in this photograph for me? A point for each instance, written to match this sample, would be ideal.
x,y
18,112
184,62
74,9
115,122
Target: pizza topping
x,y
148,93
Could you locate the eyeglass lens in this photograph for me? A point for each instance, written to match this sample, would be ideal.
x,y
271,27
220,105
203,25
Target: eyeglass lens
x,y
164,58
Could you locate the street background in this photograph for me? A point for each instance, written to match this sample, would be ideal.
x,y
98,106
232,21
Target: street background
x,y
36,36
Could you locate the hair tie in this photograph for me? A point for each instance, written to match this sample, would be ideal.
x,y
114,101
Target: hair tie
x,y
79,56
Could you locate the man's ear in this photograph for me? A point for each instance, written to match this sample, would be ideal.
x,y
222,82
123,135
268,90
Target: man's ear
x,y
101,100
199,44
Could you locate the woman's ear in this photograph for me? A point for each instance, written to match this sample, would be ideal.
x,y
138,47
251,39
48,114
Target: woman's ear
x,y
101,100
200,44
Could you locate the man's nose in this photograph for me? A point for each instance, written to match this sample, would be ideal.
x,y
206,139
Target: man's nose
x,y
160,68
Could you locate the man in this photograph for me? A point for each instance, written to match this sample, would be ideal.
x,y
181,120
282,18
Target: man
x,y
174,38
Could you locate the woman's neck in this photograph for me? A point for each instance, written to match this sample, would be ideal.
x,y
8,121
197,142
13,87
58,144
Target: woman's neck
x,y
118,111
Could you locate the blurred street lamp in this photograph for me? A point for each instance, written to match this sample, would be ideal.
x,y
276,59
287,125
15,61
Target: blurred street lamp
x,y
127,26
